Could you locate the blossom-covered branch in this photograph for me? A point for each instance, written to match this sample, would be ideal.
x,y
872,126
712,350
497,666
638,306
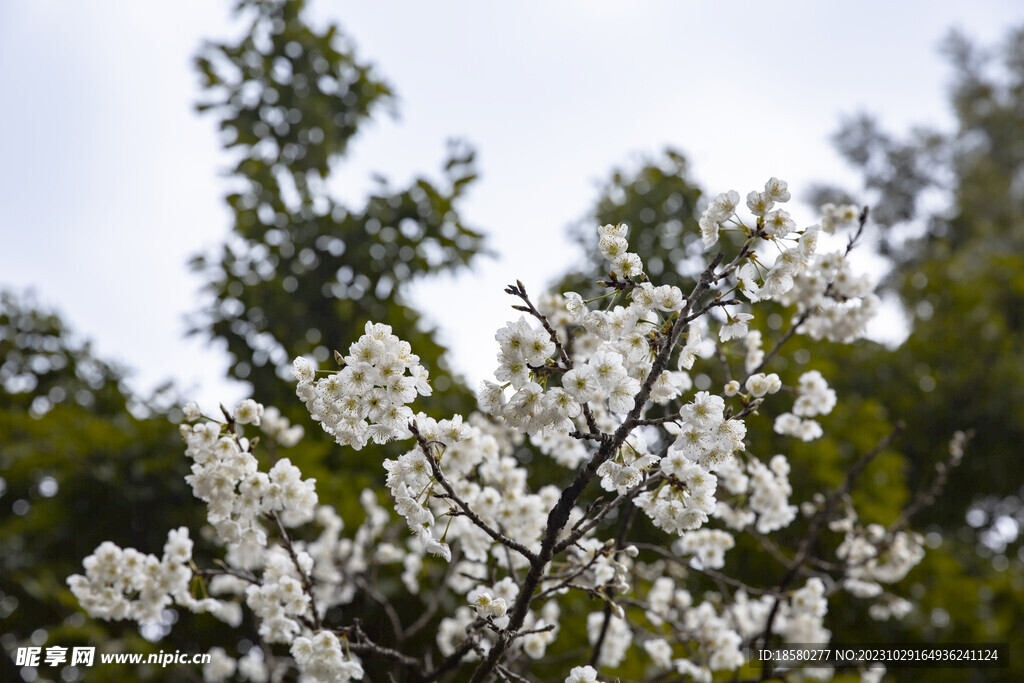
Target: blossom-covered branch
x,y
602,390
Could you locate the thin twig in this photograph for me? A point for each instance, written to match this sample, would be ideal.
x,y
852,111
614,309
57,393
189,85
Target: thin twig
x,y
582,529
382,600
620,539
307,583
360,643
519,290
464,507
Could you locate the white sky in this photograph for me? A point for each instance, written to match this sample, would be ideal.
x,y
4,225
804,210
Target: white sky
x,y
110,182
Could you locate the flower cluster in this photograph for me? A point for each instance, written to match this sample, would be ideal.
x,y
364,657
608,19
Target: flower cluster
x,y
814,397
612,359
770,491
705,436
613,246
225,475
603,568
707,545
831,301
712,634
486,605
802,618
721,209
710,639
280,600
685,501
780,279
126,584
322,659
715,636
875,556
366,400
834,216
776,223
480,473
582,674
626,470
277,427
759,493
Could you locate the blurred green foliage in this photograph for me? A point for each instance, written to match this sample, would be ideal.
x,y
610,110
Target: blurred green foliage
x,y
659,202
81,461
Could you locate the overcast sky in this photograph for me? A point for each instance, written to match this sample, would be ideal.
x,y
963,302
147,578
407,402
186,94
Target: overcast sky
x,y
110,181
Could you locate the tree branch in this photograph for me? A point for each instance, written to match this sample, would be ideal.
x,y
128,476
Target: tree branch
x,y
464,507
559,514
818,522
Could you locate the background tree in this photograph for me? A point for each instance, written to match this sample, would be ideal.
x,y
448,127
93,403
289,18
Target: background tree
x,y
301,271
951,221
659,201
81,455
300,274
